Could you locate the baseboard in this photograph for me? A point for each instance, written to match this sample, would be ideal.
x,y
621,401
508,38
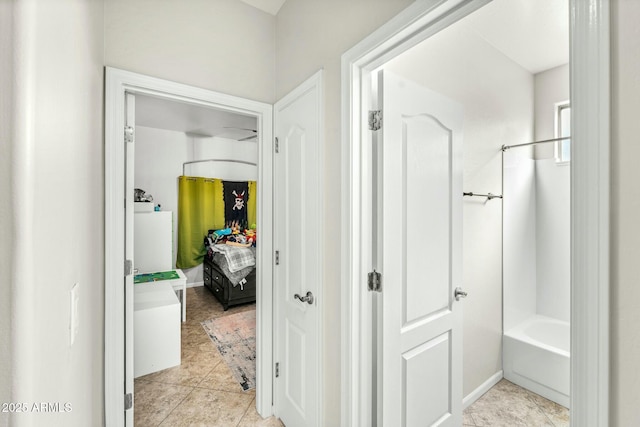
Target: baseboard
x,y
195,284
484,387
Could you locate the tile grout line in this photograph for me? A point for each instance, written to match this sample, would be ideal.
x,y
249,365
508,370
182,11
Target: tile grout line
x,y
241,393
175,407
546,415
544,412
473,419
246,412
205,376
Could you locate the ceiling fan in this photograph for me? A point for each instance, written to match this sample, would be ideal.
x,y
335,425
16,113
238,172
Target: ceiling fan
x,y
247,138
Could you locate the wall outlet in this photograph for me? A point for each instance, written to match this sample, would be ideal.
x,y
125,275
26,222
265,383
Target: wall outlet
x,y
74,320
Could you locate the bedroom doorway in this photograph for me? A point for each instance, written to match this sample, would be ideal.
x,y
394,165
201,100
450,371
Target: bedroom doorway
x,y
195,171
250,117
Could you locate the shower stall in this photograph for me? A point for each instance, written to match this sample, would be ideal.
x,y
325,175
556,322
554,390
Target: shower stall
x,y
536,270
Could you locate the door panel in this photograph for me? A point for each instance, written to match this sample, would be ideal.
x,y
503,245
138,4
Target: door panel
x,y
297,237
295,366
292,150
427,156
427,363
419,326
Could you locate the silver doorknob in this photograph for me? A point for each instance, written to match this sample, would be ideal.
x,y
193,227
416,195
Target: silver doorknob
x,y
307,298
459,293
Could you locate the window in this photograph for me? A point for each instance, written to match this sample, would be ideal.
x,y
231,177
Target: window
x,y
563,129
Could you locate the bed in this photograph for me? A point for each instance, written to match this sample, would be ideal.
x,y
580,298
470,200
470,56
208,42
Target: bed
x,y
224,290
229,273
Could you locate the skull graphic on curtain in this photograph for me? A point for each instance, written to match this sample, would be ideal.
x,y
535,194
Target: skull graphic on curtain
x,y
236,195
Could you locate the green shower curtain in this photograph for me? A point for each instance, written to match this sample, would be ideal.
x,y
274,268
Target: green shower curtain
x,y
201,208
251,204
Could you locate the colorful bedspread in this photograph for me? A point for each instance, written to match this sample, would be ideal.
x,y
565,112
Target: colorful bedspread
x,y
238,258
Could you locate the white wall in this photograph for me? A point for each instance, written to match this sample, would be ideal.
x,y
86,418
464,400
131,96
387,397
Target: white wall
x,y
519,237
497,95
6,195
222,45
58,209
159,157
552,87
222,148
625,211
311,35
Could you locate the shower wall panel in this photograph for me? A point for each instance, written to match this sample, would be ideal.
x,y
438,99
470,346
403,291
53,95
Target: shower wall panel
x,y
519,238
553,229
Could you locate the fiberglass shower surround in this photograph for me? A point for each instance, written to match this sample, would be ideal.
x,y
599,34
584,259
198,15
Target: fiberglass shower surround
x,y
536,272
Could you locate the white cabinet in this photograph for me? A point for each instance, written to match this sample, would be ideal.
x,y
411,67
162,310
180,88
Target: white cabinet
x,y
156,323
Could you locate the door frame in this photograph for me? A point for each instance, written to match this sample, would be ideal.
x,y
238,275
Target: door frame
x,y
590,177
117,83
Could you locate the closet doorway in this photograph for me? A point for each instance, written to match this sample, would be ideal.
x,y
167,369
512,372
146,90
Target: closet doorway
x,y
161,106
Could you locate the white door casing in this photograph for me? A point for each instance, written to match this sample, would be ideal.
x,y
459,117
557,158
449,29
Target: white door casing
x,y
117,340
298,211
129,161
420,222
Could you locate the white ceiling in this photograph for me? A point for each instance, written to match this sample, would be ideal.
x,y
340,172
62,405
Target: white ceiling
x,y
161,113
533,33
269,6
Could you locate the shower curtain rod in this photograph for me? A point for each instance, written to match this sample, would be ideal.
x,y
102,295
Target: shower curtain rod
x,y
488,196
506,147
216,160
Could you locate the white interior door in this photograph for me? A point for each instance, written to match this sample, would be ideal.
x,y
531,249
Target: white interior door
x,y
130,114
419,220
297,240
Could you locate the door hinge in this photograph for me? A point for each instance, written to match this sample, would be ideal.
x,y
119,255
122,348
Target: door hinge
x,y
128,401
128,133
375,281
128,267
277,145
375,119
277,369
277,258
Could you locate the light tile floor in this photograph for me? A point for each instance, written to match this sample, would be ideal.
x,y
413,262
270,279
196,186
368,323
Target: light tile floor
x,y
201,391
509,405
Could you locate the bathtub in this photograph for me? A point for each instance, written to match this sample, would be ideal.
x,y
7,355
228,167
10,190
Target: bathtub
x,y
536,357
